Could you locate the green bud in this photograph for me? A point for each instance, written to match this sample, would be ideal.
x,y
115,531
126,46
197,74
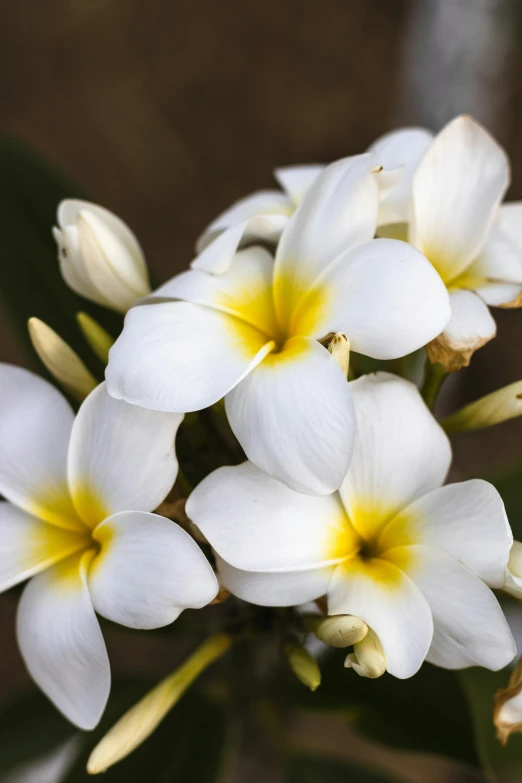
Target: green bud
x,y
303,665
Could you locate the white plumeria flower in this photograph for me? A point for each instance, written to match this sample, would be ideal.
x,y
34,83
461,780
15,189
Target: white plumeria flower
x,y
449,205
78,493
100,258
251,334
393,547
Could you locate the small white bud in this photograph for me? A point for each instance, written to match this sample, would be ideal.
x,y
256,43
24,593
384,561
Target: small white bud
x,y
494,408
368,658
341,630
60,359
339,347
507,713
513,575
100,258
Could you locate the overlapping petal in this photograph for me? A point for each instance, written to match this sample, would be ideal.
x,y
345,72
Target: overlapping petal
x,y
297,180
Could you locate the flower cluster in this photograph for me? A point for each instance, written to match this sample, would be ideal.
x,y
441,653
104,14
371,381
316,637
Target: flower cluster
x,y
392,254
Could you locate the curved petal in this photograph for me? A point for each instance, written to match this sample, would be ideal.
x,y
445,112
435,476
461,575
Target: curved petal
x,y
469,626
244,291
403,148
62,643
271,206
256,523
400,451
456,191
216,256
297,180
148,570
338,212
35,426
280,588
466,520
471,326
177,356
384,295
391,605
120,457
294,417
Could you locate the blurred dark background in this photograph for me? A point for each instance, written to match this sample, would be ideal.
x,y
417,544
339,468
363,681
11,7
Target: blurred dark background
x,y
166,111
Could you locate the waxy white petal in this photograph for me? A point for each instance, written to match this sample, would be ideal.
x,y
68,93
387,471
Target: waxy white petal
x,y
384,295
120,457
256,523
400,450
294,418
35,426
148,570
456,192
216,257
62,643
177,356
297,180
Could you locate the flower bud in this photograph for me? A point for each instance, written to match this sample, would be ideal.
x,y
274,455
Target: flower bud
x,y
100,341
339,347
494,408
507,714
513,575
368,658
60,359
100,257
340,630
303,665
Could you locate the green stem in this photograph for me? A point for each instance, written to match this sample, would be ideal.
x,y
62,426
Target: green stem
x,y
434,375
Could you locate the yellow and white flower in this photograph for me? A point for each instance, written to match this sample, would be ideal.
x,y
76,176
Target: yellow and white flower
x,y
76,521
409,557
455,217
100,258
253,333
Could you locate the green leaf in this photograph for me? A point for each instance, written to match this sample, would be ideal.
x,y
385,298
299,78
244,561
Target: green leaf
x,y
30,279
309,769
427,713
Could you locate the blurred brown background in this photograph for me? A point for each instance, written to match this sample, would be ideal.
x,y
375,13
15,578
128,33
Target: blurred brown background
x,y
165,111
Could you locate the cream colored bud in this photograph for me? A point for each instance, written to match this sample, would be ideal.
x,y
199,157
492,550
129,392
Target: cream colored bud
x,y
100,341
507,713
368,658
303,664
100,258
144,718
60,359
494,408
339,347
340,630
513,575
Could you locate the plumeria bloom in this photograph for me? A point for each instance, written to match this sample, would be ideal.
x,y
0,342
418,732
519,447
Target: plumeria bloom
x,y
449,207
76,521
256,333
393,547
100,258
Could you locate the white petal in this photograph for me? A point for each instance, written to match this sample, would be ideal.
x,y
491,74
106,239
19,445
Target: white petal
x,y
148,570
384,295
256,523
216,256
177,356
120,457
29,545
456,191
391,605
297,180
470,327
62,643
400,450
283,588
293,416
35,426
244,290
338,212
496,274
400,148
469,626
270,205
467,520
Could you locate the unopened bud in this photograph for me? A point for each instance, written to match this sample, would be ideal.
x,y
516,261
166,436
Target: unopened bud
x,y
60,359
100,258
303,665
368,658
494,408
342,630
513,575
507,714
339,347
100,341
